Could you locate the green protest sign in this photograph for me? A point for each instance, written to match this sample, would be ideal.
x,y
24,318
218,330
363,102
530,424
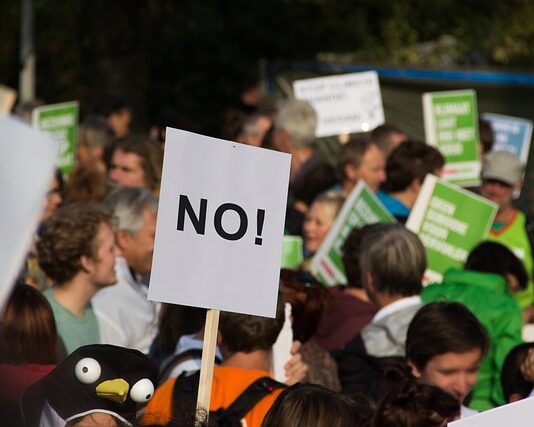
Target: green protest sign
x,y
361,207
292,253
451,124
61,122
450,221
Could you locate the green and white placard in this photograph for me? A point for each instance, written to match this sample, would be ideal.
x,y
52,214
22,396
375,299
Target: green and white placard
x,y
451,124
361,208
61,122
450,222
292,252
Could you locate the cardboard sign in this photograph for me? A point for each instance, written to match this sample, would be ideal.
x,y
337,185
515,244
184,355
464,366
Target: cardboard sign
x,y
450,222
345,104
8,97
517,414
27,164
220,225
360,208
511,134
451,124
61,122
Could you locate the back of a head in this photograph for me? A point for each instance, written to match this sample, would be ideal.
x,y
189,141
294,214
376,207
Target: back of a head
x,y
128,205
67,235
443,327
387,137
299,119
514,385
416,405
150,154
28,334
245,333
495,258
86,184
395,259
486,135
310,405
411,160
308,299
94,132
351,252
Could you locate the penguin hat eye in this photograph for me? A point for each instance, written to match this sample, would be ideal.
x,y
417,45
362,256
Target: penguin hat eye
x,y
88,370
142,391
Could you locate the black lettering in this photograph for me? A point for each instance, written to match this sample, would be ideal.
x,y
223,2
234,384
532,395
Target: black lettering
x,y
218,221
184,205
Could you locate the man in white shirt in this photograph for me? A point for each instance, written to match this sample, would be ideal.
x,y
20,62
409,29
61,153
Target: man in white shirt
x,y
125,316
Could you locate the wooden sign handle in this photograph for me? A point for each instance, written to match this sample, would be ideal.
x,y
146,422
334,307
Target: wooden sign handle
x,y
209,348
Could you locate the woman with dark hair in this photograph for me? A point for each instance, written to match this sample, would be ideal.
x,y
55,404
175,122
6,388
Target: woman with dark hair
x,y
309,299
445,346
311,405
416,405
28,346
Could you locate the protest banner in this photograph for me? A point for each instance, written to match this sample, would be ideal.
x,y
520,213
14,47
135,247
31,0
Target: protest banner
x,y
450,221
451,124
8,97
61,122
219,232
25,153
511,134
292,252
517,414
360,208
344,104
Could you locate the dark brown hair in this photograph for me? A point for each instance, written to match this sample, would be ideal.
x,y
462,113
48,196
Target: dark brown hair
x,y
28,333
69,234
443,327
245,333
411,160
416,405
311,405
308,298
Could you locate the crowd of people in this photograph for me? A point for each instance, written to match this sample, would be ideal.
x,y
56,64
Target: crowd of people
x,y
81,345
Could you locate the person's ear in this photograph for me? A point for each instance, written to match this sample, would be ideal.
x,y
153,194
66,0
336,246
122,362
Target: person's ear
x,y
122,239
415,186
518,185
350,172
415,372
86,264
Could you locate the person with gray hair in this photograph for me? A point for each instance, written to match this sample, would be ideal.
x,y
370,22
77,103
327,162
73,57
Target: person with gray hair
x,y
311,174
392,263
126,318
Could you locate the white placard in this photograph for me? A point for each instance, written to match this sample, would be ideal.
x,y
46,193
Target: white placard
x,y
518,414
345,104
213,249
27,159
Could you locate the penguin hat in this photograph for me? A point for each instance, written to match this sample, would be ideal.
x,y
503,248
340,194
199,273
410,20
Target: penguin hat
x,y
93,379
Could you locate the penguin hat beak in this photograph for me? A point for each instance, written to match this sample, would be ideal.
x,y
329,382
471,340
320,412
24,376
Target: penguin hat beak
x,y
115,390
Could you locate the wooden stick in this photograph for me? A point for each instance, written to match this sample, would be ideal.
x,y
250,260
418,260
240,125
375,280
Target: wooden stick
x,y
208,360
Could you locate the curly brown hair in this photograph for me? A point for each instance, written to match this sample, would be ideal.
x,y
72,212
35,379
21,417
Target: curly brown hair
x,y
68,234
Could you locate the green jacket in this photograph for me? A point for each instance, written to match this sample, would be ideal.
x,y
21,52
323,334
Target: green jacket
x,y
486,295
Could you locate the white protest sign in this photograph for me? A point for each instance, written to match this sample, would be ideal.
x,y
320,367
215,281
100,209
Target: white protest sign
x,y
220,225
27,159
517,414
344,104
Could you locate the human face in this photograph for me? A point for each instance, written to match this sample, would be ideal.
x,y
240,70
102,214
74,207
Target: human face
x,y
119,122
372,168
316,225
137,248
497,192
53,199
103,266
126,169
454,373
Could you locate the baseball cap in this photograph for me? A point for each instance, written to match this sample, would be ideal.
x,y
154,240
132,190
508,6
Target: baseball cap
x,y
502,166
